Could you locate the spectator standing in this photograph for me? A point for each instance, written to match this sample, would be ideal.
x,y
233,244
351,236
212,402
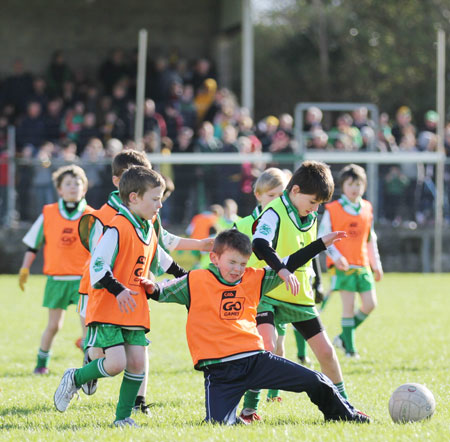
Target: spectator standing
x,y
17,88
206,175
183,197
58,73
113,69
403,123
31,130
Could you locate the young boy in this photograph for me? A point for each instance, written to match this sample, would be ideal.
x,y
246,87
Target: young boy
x,y
91,228
288,224
222,336
117,312
269,186
354,258
64,256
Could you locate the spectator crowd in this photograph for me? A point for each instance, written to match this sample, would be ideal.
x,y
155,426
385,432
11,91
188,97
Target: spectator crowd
x,y
66,115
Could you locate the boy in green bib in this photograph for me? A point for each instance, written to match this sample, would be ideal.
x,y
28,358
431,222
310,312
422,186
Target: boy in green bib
x,y
286,225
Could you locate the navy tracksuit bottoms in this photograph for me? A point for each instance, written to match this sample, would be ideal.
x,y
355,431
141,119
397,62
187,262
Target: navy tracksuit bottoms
x,y
226,383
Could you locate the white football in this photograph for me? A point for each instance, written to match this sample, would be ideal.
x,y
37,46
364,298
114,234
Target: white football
x,y
411,403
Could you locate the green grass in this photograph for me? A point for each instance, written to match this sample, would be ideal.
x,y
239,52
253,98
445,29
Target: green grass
x,y
405,340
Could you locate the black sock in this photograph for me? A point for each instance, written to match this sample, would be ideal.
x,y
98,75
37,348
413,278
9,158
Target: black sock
x,y
139,400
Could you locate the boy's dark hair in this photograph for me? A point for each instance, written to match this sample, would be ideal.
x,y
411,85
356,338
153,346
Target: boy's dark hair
x,y
313,178
138,179
72,170
129,157
232,239
170,187
353,172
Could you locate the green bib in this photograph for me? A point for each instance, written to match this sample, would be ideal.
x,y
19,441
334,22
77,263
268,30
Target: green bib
x,y
288,240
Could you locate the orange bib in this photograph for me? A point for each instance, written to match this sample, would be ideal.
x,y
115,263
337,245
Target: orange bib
x,y
354,247
63,252
105,214
132,261
222,318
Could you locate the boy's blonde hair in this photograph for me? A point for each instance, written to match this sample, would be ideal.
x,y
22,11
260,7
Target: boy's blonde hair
x,y
313,178
270,179
72,170
353,172
138,179
129,157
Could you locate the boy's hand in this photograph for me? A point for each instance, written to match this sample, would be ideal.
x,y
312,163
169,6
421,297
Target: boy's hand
x,y
148,285
23,277
290,280
332,237
342,264
206,244
125,300
378,274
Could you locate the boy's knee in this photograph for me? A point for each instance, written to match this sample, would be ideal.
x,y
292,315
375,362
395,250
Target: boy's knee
x,y
113,368
326,353
54,328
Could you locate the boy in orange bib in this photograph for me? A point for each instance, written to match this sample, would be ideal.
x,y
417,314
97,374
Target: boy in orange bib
x,y
117,312
57,230
356,260
222,336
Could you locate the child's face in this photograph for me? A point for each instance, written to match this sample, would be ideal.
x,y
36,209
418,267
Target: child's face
x,y
268,196
305,204
147,206
231,264
353,189
71,189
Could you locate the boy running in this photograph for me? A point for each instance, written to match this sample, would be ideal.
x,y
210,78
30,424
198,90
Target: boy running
x,y
64,256
286,225
355,258
222,336
117,312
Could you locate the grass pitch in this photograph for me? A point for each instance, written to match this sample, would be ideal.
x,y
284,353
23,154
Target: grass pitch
x,y
405,340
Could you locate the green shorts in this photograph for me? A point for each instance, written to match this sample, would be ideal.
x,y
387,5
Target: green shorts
x,y
60,294
108,335
354,280
285,312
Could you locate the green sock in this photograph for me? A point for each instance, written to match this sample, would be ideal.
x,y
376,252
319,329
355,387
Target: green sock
x,y
273,393
128,392
348,334
359,317
43,358
340,386
251,399
301,344
93,370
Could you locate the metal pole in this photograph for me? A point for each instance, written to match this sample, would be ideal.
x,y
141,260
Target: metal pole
x,y
440,103
247,69
140,89
11,201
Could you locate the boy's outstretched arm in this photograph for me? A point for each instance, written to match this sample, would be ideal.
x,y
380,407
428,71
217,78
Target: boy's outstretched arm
x,y
175,290
303,255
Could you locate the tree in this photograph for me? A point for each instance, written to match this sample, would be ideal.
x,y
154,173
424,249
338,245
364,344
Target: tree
x,y
349,50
